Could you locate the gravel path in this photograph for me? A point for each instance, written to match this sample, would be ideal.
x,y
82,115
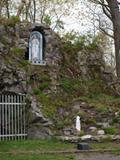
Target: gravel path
x,y
97,156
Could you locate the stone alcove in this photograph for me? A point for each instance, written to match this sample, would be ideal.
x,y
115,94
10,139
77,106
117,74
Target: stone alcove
x,y
37,46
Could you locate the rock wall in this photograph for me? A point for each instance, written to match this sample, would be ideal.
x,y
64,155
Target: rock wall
x,y
15,40
18,76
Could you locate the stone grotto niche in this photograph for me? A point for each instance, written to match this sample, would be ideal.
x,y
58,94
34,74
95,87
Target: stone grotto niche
x,y
36,49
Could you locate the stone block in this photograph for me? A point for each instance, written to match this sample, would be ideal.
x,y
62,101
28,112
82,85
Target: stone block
x,y
100,132
83,146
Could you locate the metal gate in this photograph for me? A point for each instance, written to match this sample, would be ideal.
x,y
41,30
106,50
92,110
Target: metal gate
x,y
12,117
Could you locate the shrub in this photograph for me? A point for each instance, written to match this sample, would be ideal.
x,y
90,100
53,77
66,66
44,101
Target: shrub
x,y
66,84
4,40
70,85
82,133
101,108
36,91
44,85
17,51
24,63
115,120
110,130
90,121
13,20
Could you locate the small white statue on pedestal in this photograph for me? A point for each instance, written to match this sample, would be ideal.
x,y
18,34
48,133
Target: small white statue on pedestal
x,y
78,124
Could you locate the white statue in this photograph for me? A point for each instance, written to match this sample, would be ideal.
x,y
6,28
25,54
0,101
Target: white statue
x,y
78,123
35,48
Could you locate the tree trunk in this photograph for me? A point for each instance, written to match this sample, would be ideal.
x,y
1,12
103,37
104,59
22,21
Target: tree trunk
x,y
34,13
7,9
27,10
115,14
117,48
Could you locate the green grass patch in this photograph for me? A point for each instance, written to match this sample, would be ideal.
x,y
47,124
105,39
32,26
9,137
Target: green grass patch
x,y
35,146
110,130
70,85
102,102
105,145
50,104
102,108
44,85
29,145
15,147
36,157
17,51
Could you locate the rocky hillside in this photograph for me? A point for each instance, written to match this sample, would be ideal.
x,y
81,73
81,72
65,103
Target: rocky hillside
x,y
73,82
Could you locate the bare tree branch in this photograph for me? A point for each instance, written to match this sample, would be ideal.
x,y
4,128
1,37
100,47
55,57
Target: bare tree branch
x,y
20,8
105,10
105,32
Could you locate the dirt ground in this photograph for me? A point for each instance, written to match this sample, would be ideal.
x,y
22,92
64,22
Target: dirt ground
x,y
97,156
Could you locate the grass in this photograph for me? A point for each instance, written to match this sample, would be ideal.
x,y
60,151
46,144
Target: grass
x,y
107,145
110,130
112,146
31,148
28,145
34,145
35,157
102,102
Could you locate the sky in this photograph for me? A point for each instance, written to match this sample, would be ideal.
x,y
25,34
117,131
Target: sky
x,y
76,20
77,16
81,18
